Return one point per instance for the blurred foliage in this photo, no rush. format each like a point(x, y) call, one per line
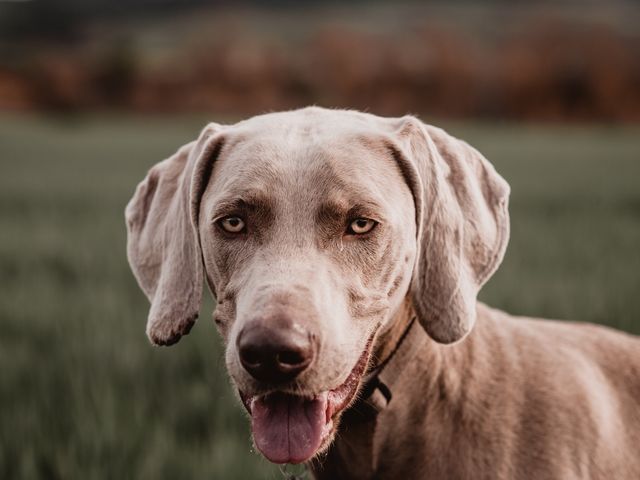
point(83, 394)
point(558, 61)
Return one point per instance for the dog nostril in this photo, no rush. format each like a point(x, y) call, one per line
point(290, 358)
point(250, 357)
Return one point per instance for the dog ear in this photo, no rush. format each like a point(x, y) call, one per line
point(163, 245)
point(462, 225)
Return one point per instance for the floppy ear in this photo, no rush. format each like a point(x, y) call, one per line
point(163, 245)
point(462, 226)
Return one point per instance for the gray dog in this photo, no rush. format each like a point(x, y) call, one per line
point(346, 252)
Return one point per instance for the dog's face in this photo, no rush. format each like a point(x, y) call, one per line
point(308, 238)
point(311, 227)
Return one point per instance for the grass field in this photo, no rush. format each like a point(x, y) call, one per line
point(82, 393)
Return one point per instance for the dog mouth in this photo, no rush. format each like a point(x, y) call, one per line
point(289, 428)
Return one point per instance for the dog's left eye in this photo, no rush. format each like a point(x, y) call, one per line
point(232, 224)
point(361, 226)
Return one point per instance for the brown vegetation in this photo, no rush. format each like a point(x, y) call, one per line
point(549, 70)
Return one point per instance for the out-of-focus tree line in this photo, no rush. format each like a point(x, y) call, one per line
point(542, 61)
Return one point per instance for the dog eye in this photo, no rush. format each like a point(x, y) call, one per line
point(231, 224)
point(361, 226)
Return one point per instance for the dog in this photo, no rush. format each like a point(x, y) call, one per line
point(345, 252)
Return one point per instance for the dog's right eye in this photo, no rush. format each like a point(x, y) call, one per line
point(360, 226)
point(231, 224)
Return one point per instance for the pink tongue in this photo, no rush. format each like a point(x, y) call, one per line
point(287, 428)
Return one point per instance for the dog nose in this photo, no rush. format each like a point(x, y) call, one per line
point(275, 354)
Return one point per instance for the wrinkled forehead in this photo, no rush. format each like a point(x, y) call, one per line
point(304, 167)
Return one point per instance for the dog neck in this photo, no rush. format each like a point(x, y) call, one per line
point(354, 453)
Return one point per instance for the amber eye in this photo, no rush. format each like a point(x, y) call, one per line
point(232, 224)
point(361, 226)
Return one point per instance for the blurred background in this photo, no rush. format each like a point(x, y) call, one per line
point(94, 92)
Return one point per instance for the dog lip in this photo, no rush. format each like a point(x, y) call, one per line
point(341, 396)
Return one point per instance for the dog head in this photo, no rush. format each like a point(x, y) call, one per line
point(311, 228)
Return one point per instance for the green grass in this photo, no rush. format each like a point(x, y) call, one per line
point(84, 395)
